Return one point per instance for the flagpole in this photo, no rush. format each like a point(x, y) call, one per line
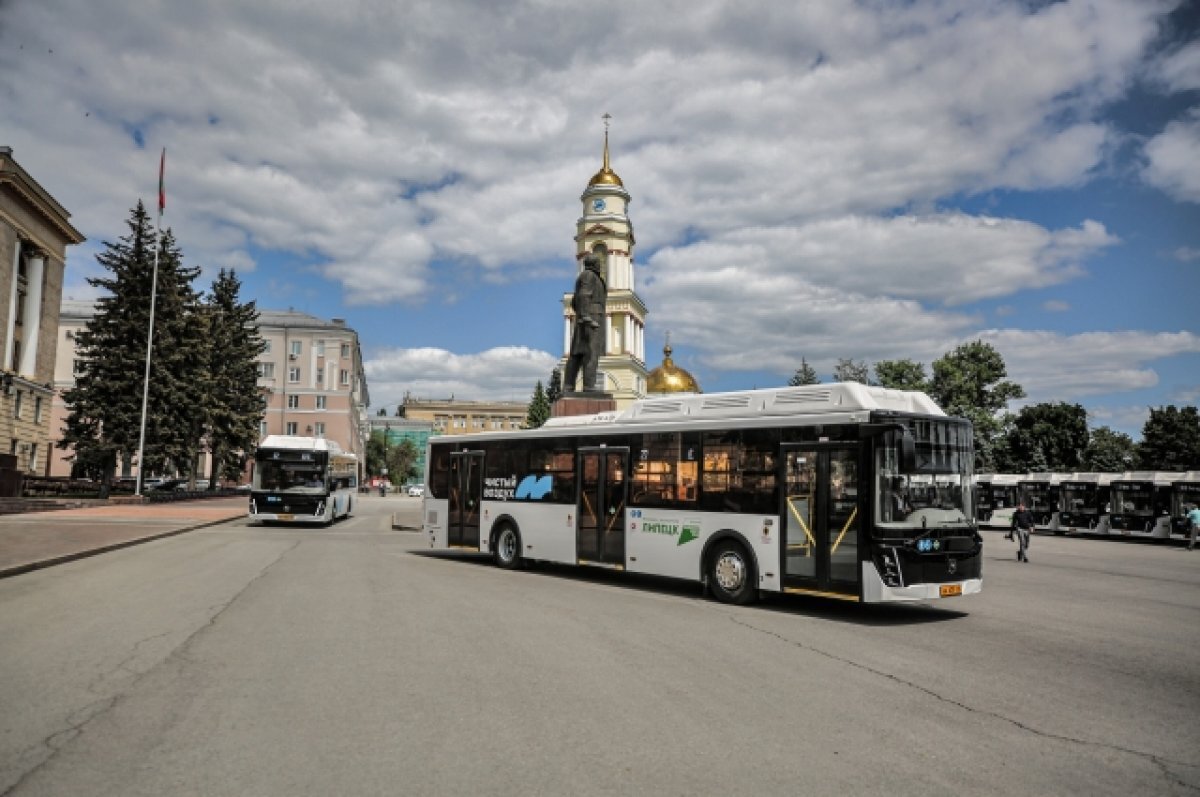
point(162, 164)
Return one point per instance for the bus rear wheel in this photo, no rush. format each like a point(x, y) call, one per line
point(731, 574)
point(507, 551)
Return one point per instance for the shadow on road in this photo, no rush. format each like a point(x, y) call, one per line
point(866, 614)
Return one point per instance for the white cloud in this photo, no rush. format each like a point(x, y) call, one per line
point(462, 129)
point(1173, 159)
point(1052, 366)
point(502, 373)
point(1056, 306)
point(1179, 70)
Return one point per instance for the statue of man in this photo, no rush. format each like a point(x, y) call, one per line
point(587, 340)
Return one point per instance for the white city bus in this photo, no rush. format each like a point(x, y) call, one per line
point(1185, 492)
point(302, 480)
point(1085, 503)
point(1141, 504)
point(840, 490)
point(996, 497)
point(1041, 493)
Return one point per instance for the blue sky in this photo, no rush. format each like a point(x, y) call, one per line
point(864, 180)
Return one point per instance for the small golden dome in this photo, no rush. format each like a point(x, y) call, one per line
point(606, 176)
point(670, 378)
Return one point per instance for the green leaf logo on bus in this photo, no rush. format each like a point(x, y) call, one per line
point(686, 532)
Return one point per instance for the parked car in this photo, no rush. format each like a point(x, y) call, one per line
point(416, 490)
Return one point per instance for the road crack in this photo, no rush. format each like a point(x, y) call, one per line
point(1163, 764)
point(78, 719)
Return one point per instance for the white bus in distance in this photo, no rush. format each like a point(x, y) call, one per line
point(996, 497)
point(841, 490)
point(1141, 504)
point(1085, 501)
point(1041, 494)
point(302, 480)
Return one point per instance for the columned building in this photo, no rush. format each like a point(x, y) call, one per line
point(34, 234)
point(604, 229)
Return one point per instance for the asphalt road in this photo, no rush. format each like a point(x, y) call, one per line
point(238, 660)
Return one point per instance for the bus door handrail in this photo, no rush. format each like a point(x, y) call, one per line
point(803, 526)
point(845, 528)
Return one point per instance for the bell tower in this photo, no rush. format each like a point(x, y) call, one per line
point(605, 229)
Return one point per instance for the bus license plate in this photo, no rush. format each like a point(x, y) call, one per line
point(290, 517)
point(950, 590)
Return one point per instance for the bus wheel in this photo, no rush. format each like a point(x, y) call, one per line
point(731, 574)
point(507, 550)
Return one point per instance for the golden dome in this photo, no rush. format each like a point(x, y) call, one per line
point(606, 176)
point(670, 378)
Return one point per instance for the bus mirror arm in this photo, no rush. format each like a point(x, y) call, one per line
point(908, 446)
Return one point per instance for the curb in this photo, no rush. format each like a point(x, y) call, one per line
point(17, 570)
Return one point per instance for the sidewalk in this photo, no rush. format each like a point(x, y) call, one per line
point(41, 539)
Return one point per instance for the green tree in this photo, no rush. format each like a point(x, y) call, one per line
point(398, 458)
point(852, 371)
point(236, 404)
point(901, 375)
point(1108, 451)
point(1170, 440)
point(969, 382)
point(554, 391)
point(539, 408)
point(1047, 437)
point(180, 375)
point(104, 408)
point(805, 375)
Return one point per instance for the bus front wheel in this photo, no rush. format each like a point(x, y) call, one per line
point(731, 574)
point(507, 550)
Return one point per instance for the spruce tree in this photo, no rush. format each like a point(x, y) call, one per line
point(554, 391)
point(805, 375)
point(179, 367)
point(103, 423)
point(235, 404)
point(539, 408)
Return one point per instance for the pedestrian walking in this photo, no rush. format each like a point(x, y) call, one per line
point(1193, 517)
point(1022, 524)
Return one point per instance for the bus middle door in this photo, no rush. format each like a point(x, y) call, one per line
point(466, 490)
point(600, 528)
point(820, 519)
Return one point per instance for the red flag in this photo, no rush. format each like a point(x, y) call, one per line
point(162, 191)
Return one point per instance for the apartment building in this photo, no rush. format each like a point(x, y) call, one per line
point(35, 232)
point(313, 374)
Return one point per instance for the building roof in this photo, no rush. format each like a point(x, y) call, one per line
point(295, 318)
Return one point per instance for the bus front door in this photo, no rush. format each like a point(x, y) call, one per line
point(820, 519)
point(600, 529)
point(466, 490)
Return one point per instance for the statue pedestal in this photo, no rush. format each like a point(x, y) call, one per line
point(583, 403)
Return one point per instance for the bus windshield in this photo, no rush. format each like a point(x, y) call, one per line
point(290, 477)
point(937, 492)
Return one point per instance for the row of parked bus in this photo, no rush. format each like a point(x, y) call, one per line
point(1152, 504)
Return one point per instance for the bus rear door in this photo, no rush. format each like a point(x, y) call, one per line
point(466, 490)
point(600, 529)
point(820, 519)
